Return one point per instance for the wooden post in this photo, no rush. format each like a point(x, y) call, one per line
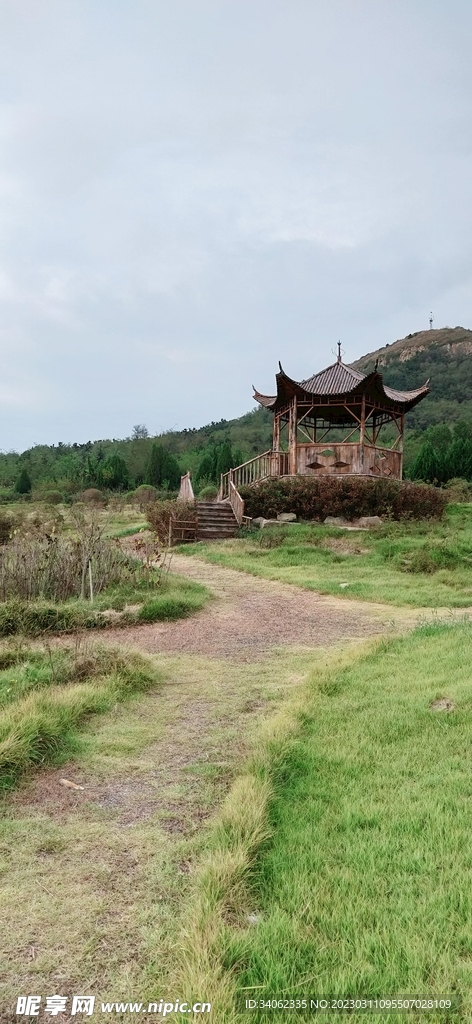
point(90, 580)
point(402, 424)
point(292, 437)
point(362, 435)
point(276, 434)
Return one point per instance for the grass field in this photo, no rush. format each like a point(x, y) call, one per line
point(363, 887)
point(293, 826)
point(425, 564)
point(46, 696)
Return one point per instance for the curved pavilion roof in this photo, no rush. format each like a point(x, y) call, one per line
point(343, 384)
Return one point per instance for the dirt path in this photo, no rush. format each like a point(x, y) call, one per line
point(100, 872)
point(252, 615)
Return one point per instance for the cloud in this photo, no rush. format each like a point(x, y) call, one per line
point(190, 191)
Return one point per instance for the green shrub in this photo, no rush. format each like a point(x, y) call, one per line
point(53, 497)
point(458, 490)
point(7, 495)
point(144, 495)
point(350, 497)
point(208, 493)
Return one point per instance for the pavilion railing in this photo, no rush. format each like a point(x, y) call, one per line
point(271, 463)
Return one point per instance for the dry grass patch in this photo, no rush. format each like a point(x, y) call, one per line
point(103, 874)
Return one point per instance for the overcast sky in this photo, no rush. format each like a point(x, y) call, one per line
point(192, 190)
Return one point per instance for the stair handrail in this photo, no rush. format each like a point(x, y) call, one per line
point(236, 502)
point(270, 463)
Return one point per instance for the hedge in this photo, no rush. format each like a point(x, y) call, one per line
point(315, 498)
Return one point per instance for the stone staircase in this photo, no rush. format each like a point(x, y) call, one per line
point(215, 520)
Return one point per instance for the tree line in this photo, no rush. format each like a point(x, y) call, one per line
point(445, 454)
point(70, 469)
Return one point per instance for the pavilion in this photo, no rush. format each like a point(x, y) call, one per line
point(339, 422)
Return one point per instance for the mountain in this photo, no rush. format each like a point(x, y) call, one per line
point(445, 357)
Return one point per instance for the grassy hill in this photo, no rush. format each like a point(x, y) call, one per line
point(444, 356)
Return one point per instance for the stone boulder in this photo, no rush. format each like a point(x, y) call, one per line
point(336, 521)
point(260, 522)
point(286, 517)
point(369, 521)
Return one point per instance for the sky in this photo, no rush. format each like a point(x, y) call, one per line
point(191, 190)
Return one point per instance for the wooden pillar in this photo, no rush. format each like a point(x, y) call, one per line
point(292, 437)
point(362, 435)
point(276, 434)
point(402, 424)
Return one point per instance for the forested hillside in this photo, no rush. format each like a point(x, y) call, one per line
point(122, 465)
point(443, 420)
point(443, 356)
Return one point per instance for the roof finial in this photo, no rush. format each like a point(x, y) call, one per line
point(339, 351)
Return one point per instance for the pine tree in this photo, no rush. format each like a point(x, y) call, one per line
point(224, 460)
point(163, 469)
point(115, 473)
point(23, 484)
point(427, 465)
point(155, 466)
point(458, 459)
point(171, 471)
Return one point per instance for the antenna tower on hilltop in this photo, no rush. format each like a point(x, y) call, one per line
point(431, 318)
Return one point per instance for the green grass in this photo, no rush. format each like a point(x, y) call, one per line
point(127, 531)
point(364, 888)
point(46, 696)
point(426, 564)
point(171, 597)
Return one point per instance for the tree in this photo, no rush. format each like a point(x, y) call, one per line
point(140, 432)
point(458, 460)
point(224, 461)
point(115, 474)
point(155, 467)
point(163, 469)
point(217, 459)
point(206, 471)
point(427, 464)
point(463, 430)
point(23, 484)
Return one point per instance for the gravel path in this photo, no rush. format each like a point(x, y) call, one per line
point(249, 616)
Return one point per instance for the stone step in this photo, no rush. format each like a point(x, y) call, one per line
point(216, 519)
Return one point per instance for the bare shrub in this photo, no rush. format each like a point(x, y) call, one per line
point(40, 562)
point(159, 514)
point(52, 497)
point(92, 496)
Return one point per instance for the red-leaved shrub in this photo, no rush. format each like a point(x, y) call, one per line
point(351, 497)
point(158, 515)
